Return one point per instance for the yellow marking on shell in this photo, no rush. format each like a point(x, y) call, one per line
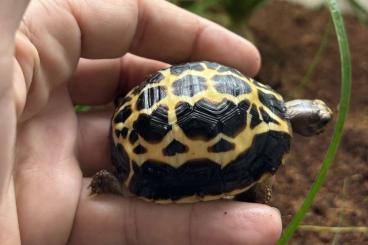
point(119, 126)
point(130, 175)
point(264, 88)
point(198, 148)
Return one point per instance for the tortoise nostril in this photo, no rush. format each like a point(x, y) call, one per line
point(324, 121)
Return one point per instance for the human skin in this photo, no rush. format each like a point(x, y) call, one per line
point(67, 52)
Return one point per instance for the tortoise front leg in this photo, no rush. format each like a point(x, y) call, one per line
point(105, 182)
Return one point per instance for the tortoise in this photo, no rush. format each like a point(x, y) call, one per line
point(203, 131)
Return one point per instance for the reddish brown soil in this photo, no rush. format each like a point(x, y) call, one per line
point(288, 37)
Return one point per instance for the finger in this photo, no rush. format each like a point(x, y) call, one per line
point(186, 36)
point(93, 141)
point(10, 15)
point(98, 81)
point(9, 227)
point(138, 26)
point(130, 221)
point(48, 178)
point(109, 29)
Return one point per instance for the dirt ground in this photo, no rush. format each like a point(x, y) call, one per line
point(288, 37)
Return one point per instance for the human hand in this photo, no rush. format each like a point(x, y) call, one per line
point(67, 52)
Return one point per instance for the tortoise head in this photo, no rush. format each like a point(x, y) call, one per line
point(308, 117)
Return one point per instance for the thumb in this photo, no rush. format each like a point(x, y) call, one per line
point(11, 12)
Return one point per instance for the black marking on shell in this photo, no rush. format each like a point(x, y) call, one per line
point(234, 119)
point(196, 66)
point(271, 102)
point(133, 136)
point(261, 85)
point(120, 160)
point(206, 119)
point(255, 119)
point(229, 69)
point(123, 115)
point(139, 149)
point(136, 90)
point(196, 123)
point(160, 180)
point(230, 84)
point(211, 65)
point(154, 127)
point(223, 69)
point(189, 85)
point(244, 105)
point(175, 147)
point(123, 132)
point(221, 146)
point(150, 97)
point(179, 69)
point(155, 78)
point(121, 100)
point(267, 118)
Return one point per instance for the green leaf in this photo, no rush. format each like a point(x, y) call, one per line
point(360, 12)
point(81, 108)
point(338, 131)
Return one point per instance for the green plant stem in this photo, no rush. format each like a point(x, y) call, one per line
point(360, 11)
point(81, 108)
point(338, 131)
point(317, 57)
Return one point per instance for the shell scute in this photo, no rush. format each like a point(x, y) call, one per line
point(198, 131)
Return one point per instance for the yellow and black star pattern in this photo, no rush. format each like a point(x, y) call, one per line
point(198, 131)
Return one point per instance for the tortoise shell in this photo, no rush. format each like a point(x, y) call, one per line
point(198, 131)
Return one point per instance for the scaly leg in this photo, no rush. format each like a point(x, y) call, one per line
point(260, 193)
point(105, 182)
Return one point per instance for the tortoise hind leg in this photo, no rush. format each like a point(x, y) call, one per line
point(259, 193)
point(105, 182)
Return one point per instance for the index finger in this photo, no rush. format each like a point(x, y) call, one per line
point(159, 30)
point(64, 31)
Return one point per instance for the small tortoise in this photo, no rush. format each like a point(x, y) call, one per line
point(203, 131)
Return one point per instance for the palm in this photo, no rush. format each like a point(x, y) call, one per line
point(48, 170)
point(55, 147)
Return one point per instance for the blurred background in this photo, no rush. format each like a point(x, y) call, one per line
point(300, 59)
